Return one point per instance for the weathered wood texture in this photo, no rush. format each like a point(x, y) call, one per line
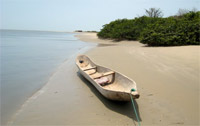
point(118, 88)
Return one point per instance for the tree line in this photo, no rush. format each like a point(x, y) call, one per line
point(154, 30)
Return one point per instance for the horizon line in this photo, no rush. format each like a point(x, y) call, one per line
point(35, 30)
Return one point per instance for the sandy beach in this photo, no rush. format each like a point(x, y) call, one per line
point(167, 79)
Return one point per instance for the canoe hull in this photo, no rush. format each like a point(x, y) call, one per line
point(113, 93)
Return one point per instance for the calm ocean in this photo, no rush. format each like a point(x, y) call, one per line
point(28, 58)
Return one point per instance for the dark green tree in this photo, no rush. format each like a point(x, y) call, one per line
point(154, 12)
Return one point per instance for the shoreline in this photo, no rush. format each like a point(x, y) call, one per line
point(69, 99)
point(28, 69)
point(44, 87)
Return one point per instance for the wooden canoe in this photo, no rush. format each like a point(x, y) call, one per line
point(116, 86)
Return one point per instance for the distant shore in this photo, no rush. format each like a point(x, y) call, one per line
point(167, 79)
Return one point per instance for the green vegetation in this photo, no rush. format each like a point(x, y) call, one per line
point(155, 30)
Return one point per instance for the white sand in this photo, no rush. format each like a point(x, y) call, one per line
point(167, 78)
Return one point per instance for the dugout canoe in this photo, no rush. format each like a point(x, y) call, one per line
point(111, 84)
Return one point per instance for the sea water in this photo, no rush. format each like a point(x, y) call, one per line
point(28, 58)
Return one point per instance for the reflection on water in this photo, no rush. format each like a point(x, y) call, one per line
point(28, 58)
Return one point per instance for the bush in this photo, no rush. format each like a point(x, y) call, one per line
point(125, 29)
point(171, 31)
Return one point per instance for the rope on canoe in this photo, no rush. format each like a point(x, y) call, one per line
point(137, 117)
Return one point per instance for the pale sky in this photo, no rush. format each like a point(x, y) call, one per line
point(70, 15)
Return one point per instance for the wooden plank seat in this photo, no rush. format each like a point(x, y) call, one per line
point(99, 75)
point(89, 68)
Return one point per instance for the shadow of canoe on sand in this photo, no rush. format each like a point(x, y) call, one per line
point(124, 108)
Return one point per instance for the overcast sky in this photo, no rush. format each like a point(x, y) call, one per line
point(70, 15)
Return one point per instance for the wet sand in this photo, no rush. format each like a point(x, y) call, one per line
point(69, 99)
point(167, 78)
